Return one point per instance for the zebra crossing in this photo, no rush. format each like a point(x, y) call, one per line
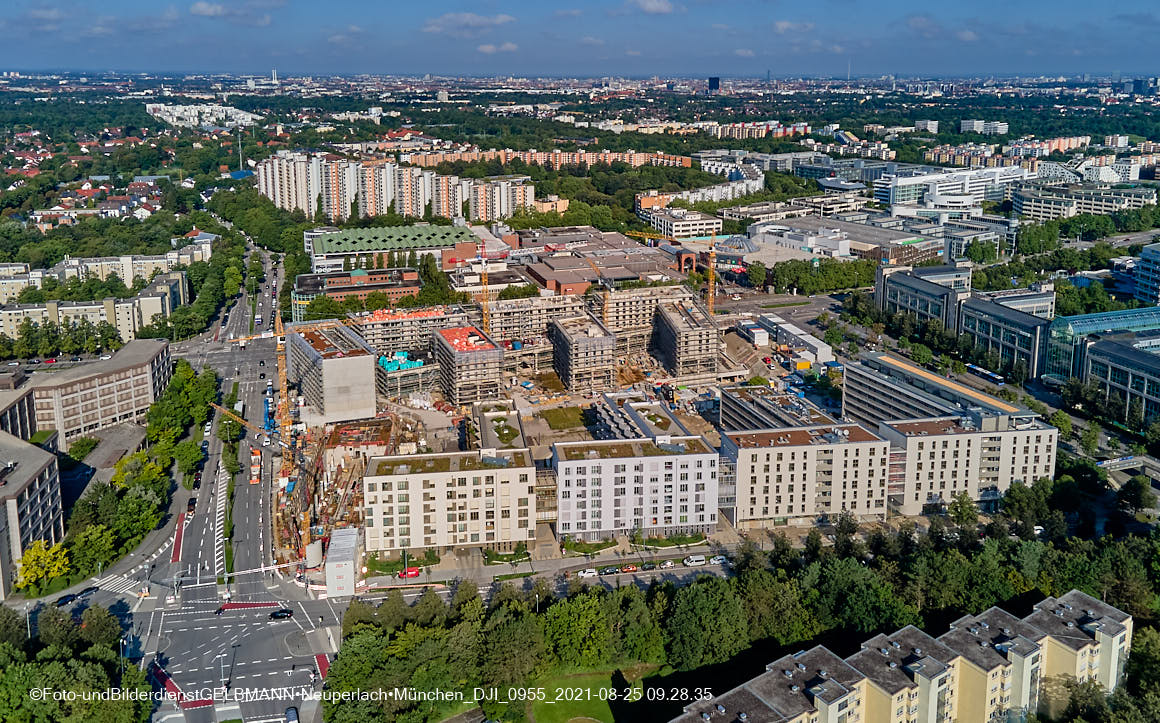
point(118, 584)
point(219, 549)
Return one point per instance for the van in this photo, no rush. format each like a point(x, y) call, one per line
point(694, 561)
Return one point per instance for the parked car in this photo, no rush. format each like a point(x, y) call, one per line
point(718, 560)
point(668, 565)
point(408, 573)
point(50, 361)
point(282, 614)
point(75, 358)
point(629, 568)
point(106, 357)
point(191, 505)
point(37, 361)
point(88, 591)
point(589, 572)
point(66, 600)
point(262, 375)
point(261, 362)
point(13, 364)
point(648, 566)
point(204, 445)
point(609, 570)
point(693, 561)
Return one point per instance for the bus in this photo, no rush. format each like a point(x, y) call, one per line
point(992, 377)
point(240, 409)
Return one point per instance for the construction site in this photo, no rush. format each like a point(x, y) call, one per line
point(584, 354)
point(688, 339)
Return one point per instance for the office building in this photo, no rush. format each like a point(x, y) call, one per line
point(1016, 336)
point(584, 354)
point(30, 494)
point(88, 397)
point(656, 487)
point(978, 184)
point(993, 666)
point(987, 128)
point(759, 407)
point(682, 223)
point(1067, 336)
point(334, 372)
point(929, 292)
point(877, 243)
point(394, 284)
point(483, 498)
point(1148, 275)
point(1125, 367)
point(687, 339)
point(470, 364)
point(1043, 202)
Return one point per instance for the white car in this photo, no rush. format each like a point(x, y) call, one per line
point(718, 560)
point(265, 441)
point(590, 572)
point(13, 364)
point(106, 357)
point(667, 565)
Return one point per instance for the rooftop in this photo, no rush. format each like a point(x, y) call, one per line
point(22, 462)
point(686, 316)
point(134, 354)
point(414, 465)
point(801, 436)
point(986, 639)
point(629, 448)
point(951, 387)
point(334, 343)
point(854, 231)
point(466, 339)
point(392, 238)
point(893, 661)
point(1074, 618)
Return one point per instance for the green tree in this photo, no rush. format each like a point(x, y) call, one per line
point(99, 627)
point(707, 624)
point(93, 547)
point(188, 455)
point(963, 511)
point(41, 562)
point(1136, 494)
point(1061, 420)
point(756, 274)
point(1090, 440)
point(775, 608)
point(921, 354)
point(55, 626)
point(12, 628)
point(578, 631)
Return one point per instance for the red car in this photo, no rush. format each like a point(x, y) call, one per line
point(409, 572)
point(50, 361)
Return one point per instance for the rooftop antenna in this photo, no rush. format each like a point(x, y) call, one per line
point(849, 64)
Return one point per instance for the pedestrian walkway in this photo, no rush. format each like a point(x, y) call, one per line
point(118, 584)
point(221, 492)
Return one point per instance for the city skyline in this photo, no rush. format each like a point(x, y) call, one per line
point(742, 38)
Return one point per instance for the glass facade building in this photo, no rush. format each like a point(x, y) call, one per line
point(1067, 333)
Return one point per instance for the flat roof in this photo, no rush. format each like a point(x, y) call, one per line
point(855, 231)
point(413, 465)
point(466, 339)
point(333, 343)
point(627, 448)
point(802, 436)
point(134, 354)
point(951, 386)
point(28, 460)
point(1002, 311)
point(392, 238)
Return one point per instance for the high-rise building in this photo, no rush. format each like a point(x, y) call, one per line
point(714, 84)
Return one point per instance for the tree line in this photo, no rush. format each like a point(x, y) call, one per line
point(49, 339)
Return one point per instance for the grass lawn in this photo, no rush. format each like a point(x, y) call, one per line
point(550, 382)
point(674, 541)
point(564, 417)
point(784, 304)
point(593, 709)
point(587, 548)
point(513, 576)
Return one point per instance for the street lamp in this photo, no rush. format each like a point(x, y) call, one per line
point(121, 647)
point(222, 668)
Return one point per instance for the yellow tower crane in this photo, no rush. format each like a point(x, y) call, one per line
point(712, 273)
point(607, 291)
point(486, 303)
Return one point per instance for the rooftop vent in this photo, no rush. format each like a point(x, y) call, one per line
point(788, 673)
point(884, 651)
point(893, 664)
point(822, 673)
point(801, 666)
point(705, 716)
point(918, 651)
point(720, 709)
point(795, 688)
point(897, 645)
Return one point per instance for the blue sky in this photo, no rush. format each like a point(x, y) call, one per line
point(596, 37)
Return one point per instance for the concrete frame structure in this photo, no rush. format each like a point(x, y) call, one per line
point(687, 338)
point(470, 364)
point(334, 371)
point(584, 354)
point(388, 331)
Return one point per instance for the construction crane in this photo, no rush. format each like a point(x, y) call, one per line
point(712, 272)
point(486, 304)
point(607, 291)
point(649, 236)
point(252, 427)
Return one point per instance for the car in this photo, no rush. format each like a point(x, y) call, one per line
point(262, 375)
point(50, 361)
point(197, 483)
point(629, 568)
point(282, 614)
point(35, 361)
point(106, 357)
point(648, 566)
point(407, 573)
point(587, 572)
point(767, 360)
point(75, 358)
point(66, 600)
point(204, 445)
point(291, 715)
point(261, 362)
point(197, 475)
point(718, 560)
point(609, 570)
point(13, 364)
point(736, 297)
point(88, 591)
point(668, 565)
point(191, 505)
point(693, 561)
point(265, 441)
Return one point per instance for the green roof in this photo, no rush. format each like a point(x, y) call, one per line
point(392, 238)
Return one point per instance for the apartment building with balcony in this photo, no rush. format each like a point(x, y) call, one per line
point(483, 498)
point(30, 504)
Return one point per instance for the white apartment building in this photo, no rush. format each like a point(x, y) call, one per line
point(484, 498)
point(929, 126)
point(661, 486)
point(987, 128)
point(492, 199)
point(934, 459)
point(205, 114)
point(977, 184)
point(798, 474)
point(293, 181)
point(682, 223)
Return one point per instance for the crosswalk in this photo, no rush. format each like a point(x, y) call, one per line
point(222, 493)
point(118, 584)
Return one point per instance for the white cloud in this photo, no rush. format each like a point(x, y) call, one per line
point(591, 40)
point(45, 14)
point(465, 25)
point(569, 12)
point(924, 25)
point(967, 36)
point(207, 10)
point(743, 53)
point(491, 48)
point(654, 7)
point(781, 27)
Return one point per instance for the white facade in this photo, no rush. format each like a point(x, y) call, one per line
point(682, 223)
point(660, 487)
point(469, 499)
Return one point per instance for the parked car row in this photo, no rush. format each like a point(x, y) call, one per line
point(690, 561)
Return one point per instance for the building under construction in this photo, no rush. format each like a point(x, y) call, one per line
point(393, 330)
point(631, 313)
point(333, 370)
point(527, 319)
point(687, 339)
point(470, 364)
point(584, 354)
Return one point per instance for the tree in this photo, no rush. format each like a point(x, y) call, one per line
point(12, 628)
point(93, 547)
point(41, 562)
point(99, 627)
point(962, 511)
point(921, 354)
point(578, 632)
point(1090, 441)
point(707, 624)
point(1136, 494)
point(1061, 420)
point(756, 274)
point(55, 626)
point(188, 456)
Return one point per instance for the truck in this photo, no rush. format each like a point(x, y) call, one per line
point(255, 466)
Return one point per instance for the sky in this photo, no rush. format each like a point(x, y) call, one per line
point(732, 38)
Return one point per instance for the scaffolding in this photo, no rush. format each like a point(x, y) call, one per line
point(584, 354)
point(687, 338)
point(470, 364)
